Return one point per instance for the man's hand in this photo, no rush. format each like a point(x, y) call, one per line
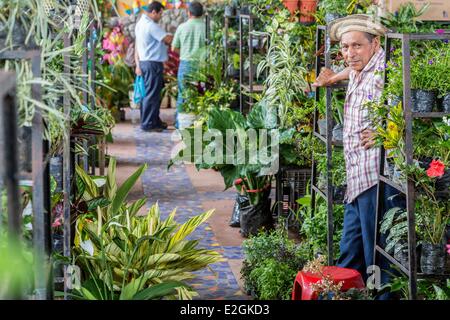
point(138, 71)
point(168, 39)
point(367, 139)
point(325, 78)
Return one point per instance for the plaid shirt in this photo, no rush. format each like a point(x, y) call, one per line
point(361, 165)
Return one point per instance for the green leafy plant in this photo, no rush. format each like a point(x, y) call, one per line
point(336, 6)
point(128, 253)
point(276, 259)
point(395, 226)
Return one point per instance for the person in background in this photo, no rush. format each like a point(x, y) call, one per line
point(150, 54)
point(189, 39)
point(359, 37)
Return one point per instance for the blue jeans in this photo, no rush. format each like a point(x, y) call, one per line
point(184, 68)
point(152, 72)
point(357, 243)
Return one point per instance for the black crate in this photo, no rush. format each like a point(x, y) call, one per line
point(292, 184)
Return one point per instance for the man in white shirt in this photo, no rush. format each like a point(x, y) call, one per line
point(151, 52)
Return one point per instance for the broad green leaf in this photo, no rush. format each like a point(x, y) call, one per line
point(124, 189)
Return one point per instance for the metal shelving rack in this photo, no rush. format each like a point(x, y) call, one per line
point(321, 33)
point(409, 189)
point(227, 45)
point(250, 88)
point(9, 151)
point(38, 179)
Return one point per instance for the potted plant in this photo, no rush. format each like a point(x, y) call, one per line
point(432, 220)
point(334, 9)
point(428, 76)
point(307, 10)
point(251, 175)
point(291, 5)
point(395, 226)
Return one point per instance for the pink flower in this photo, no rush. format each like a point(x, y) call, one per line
point(57, 223)
point(436, 169)
point(440, 31)
point(448, 248)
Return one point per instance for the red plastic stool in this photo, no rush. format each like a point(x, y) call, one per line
point(302, 285)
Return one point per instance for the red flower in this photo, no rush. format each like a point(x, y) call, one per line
point(238, 181)
point(436, 169)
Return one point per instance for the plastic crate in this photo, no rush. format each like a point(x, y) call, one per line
point(291, 185)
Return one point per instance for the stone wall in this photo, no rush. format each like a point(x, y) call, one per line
point(170, 21)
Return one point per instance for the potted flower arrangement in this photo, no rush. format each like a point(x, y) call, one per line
point(432, 220)
point(334, 9)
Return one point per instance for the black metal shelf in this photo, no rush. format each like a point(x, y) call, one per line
point(409, 188)
point(323, 38)
point(247, 89)
point(324, 140)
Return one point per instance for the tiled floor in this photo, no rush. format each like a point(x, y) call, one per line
point(183, 188)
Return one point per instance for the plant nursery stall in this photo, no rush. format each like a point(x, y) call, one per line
point(67, 227)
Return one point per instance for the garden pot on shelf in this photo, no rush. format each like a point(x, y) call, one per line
point(339, 193)
point(432, 259)
point(322, 124)
point(338, 133)
point(423, 100)
point(332, 16)
point(245, 10)
point(402, 255)
point(230, 11)
point(255, 217)
point(56, 171)
point(446, 103)
point(186, 120)
point(443, 186)
point(291, 5)
point(307, 9)
point(241, 202)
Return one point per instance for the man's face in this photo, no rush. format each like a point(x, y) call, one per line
point(357, 49)
point(156, 16)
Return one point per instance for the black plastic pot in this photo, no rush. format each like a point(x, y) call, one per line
point(402, 256)
point(230, 11)
point(432, 259)
point(332, 16)
point(256, 217)
point(446, 103)
point(58, 243)
point(443, 186)
point(242, 201)
point(339, 193)
point(338, 133)
point(423, 100)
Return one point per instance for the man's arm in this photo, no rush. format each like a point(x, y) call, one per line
point(327, 77)
point(136, 59)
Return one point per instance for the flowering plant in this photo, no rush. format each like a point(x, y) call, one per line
point(115, 45)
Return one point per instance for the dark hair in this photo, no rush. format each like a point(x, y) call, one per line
point(196, 9)
point(155, 6)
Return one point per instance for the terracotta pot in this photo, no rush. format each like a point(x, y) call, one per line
point(307, 8)
point(292, 6)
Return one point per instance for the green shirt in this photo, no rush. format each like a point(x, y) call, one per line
point(189, 38)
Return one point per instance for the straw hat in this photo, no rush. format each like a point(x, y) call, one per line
point(355, 22)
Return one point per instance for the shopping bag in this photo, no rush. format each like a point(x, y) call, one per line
point(139, 90)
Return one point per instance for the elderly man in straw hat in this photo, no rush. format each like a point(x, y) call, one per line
point(359, 37)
